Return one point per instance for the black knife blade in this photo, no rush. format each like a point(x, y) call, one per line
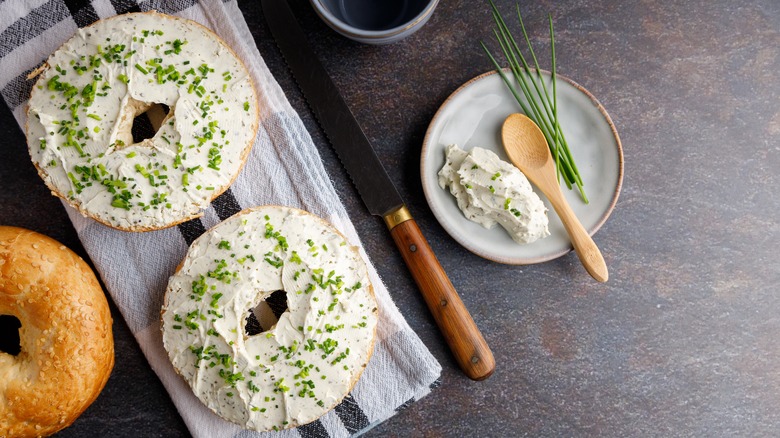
point(378, 192)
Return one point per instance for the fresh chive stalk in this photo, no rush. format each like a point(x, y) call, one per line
point(538, 103)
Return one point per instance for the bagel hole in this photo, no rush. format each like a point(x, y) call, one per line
point(9, 335)
point(146, 124)
point(266, 314)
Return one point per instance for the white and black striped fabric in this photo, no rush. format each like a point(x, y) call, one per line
point(283, 168)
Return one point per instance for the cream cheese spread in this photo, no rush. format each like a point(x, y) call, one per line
point(82, 107)
point(309, 360)
point(490, 191)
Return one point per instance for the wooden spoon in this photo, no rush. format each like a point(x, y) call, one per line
point(527, 149)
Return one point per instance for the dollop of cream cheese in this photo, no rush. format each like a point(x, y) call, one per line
point(307, 362)
point(82, 108)
point(490, 191)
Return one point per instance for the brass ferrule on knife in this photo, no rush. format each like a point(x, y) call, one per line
point(397, 216)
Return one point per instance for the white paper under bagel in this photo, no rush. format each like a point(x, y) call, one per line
point(301, 367)
point(82, 108)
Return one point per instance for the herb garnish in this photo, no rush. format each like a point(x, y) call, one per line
point(542, 108)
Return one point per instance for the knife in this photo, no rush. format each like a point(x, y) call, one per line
point(378, 192)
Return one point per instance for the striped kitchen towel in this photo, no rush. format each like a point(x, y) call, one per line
point(283, 168)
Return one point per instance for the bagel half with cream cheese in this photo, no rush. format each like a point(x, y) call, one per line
point(88, 94)
point(66, 345)
point(299, 368)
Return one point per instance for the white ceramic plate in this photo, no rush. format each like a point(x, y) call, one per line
point(472, 116)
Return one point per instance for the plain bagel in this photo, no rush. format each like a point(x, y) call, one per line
point(88, 94)
point(302, 366)
point(67, 348)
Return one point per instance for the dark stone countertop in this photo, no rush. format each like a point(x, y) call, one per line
point(682, 340)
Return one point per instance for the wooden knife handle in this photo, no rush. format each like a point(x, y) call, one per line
point(461, 333)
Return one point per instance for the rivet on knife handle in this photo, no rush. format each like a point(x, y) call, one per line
point(461, 333)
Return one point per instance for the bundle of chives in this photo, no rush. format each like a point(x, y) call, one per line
point(538, 105)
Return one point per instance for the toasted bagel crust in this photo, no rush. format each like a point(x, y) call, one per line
point(67, 347)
